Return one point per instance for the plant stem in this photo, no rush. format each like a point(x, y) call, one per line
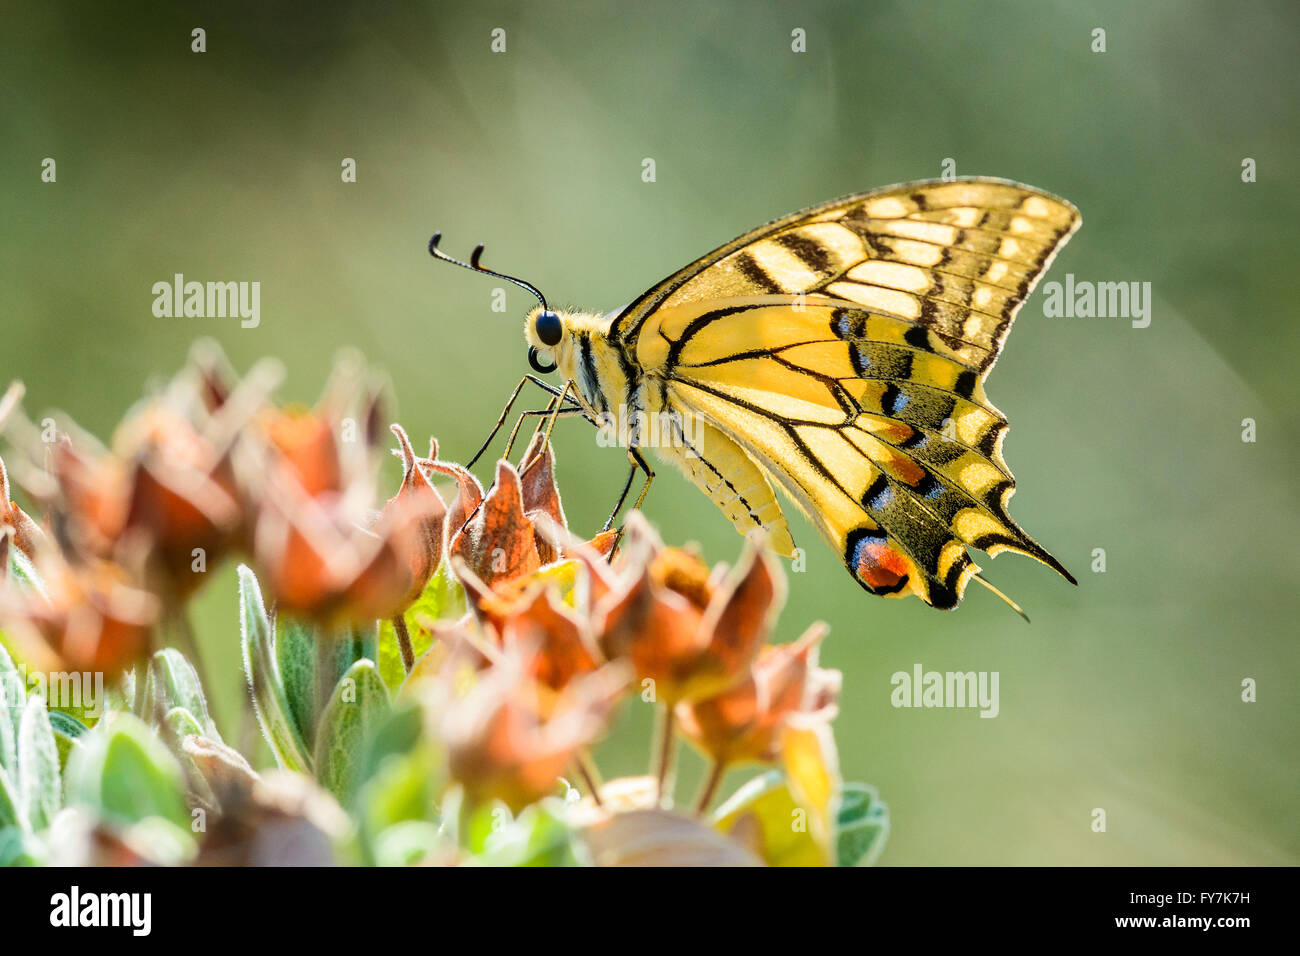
point(404, 642)
point(716, 773)
point(664, 758)
point(590, 775)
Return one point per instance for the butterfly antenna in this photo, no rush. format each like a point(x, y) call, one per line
point(476, 266)
point(1013, 605)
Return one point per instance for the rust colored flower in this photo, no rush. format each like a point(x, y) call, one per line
point(322, 561)
point(504, 740)
point(89, 618)
point(306, 448)
point(165, 486)
point(327, 449)
point(559, 640)
point(180, 492)
point(744, 723)
point(692, 632)
point(419, 500)
point(498, 542)
point(514, 529)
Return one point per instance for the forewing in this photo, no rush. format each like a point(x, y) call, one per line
point(956, 258)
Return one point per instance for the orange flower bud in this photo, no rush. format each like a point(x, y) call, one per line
point(693, 637)
point(418, 503)
point(502, 742)
point(321, 563)
point(90, 618)
point(307, 448)
point(745, 722)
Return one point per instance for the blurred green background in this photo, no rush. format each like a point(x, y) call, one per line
point(1124, 694)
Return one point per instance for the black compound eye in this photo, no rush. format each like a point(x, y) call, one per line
point(549, 327)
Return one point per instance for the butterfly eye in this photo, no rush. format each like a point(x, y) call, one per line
point(549, 328)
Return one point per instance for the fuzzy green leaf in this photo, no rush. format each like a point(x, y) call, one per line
point(176, 684)
point(68, 731)
point(355, 711)
point(10, 815)
point(862, 825)
point(406, 843)
point(260, 667)
point(40, 793)
point(295, 655)
point(13, 693)
point(350, 645)
point(539, 836)
point(18, 848)
point(23, 571)
point(125, 775)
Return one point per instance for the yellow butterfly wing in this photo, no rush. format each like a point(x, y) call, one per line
point(844, 349)
point(727, 473)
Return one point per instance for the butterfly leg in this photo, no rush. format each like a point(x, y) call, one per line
point(505, 412)
point(551, 413)
point(554, 406)
point(618, 505)
point(638, 464)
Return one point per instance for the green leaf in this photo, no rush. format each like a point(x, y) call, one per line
point(176, 684)
point(13, 693)
point(400, 791)
point(477, 823)
point(539, 836)
point(10, 815)
point(355, 711)
point(125, 775)
point(18, 848)
point(68, 731)
point(862, 825)
point(39, 789)
point(403, 777)
point(295, 655)
point(182, 723)
point(443, 597)
point(352, 645)
point(401, 733)
point(269, 699)
point(67, 725)
point(406, 843)
point(22, 570)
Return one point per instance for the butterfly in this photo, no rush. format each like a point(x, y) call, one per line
point(838, 354)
